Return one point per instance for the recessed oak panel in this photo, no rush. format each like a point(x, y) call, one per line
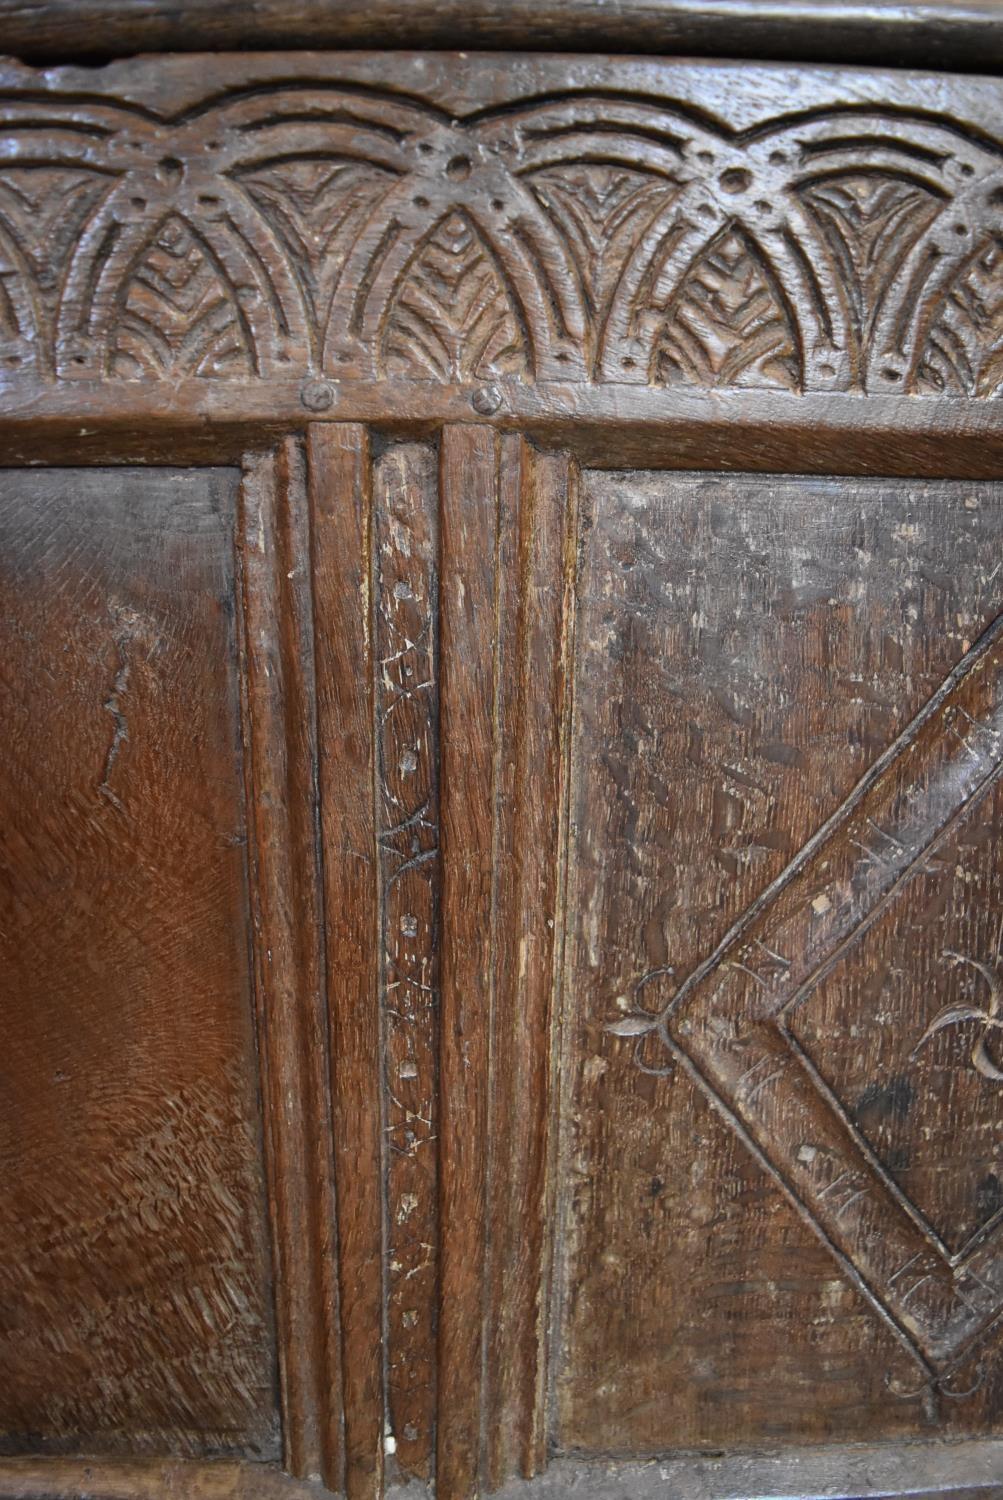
point(134, 1285)
point(748, 650)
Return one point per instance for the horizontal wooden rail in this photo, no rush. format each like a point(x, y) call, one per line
point(960, 34)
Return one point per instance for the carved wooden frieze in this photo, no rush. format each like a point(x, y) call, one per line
point(579, 228)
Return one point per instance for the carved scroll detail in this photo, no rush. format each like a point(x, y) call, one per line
point(870, 222)
point(987, 1016)
point(963, 351)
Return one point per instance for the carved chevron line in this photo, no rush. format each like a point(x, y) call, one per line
point(178, 315)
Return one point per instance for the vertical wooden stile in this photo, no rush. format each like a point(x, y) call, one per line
point(280, 768)
point(340, 504)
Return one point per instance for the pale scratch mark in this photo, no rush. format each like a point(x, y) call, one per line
point(849, 1202)
point(908, 1296)
point(751, 973)
point(777, 957)
point(903, 1269)
point(830, 1187)
point(763, 1083)
point(120, 726)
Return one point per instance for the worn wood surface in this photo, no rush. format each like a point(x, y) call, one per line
point(922, 1470)
point(536, 557)
point(94, 1479)
point(471, 478)
point(941, 33)
point(405, 584)
point(134, 1278)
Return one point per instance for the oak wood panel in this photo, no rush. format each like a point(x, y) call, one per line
point(921, 1469)
point(942, 33)
point(135, 1271)
point(647, 263)
point(470, 476)
point(917, 1094)
point(153, 1479)
point(747, 648)
point(608, 427)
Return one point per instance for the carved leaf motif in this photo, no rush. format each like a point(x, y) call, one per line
point(178, 313)
point(601, 212)
point(317, 210)
point(963, 352)
point(44, 209)
point(451, 317)
point(726, 323)
point(870, 223)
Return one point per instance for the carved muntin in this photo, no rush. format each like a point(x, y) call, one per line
point(622, 858)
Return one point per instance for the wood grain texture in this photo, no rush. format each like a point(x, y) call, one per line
point(341, 512)
point(153, 1479)
point(281, 744)
point(689, 1140)
point(505, 519)
point(473, 220)
point(748, 648)
point(611, 427)
point(135, 1272)
point(942, 33)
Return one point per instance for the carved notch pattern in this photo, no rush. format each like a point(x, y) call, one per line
point(305, 227)
point(738, 1021)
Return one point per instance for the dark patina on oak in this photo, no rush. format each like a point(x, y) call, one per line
point(510, 886)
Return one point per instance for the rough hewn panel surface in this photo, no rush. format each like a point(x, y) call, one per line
point(134, 1283)
point(747, 649)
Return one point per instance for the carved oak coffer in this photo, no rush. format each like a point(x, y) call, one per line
point(501, 891)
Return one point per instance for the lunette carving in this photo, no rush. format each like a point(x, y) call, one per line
point(304, 228)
